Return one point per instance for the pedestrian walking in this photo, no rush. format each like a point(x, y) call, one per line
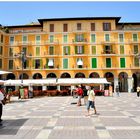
point(91, 100)
point(2, 102)
point(138, 91)
point(79, 92)
point(85, 95)
point(117, 91)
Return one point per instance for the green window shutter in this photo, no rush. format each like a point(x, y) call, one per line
point(65, 63)
point(0, 63)
point(37, 51)
point(64, 50)
point(47, 60)
point(93, 38)
point(51, 50)
point(121, 38)
point(33, 63)
point(10, 64)
point(94, 63)
point(68, 50)
point(1, 50)
point(136, 62)
point(93, 49)
point(135, 37)
point(10, 51)
point(108, 62)
point(76, 47)
point(65, 38)
point(51, 39)
point(122, 62)
point(121, 49)
point(24, 38)
point(41, 63)
point(107, 38)
point(136, 49)
point(37, 39)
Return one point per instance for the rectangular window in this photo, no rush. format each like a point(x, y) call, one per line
point(37, 51)
point(1, 50)
point(79, 38)
point(11, 40)
point(51, 38)
point(93, 49)
point(121, 49)
point(121, 38)
point(92, 26)
point(1, 39)
point(65, 38)
point(94, 63)
point(78, 26)
point(37, 63)
point(79, 49)
point(24, 39)
point(107, 37)
point(93, 38)
point(122, 62)
point(108, 62)
point(38, 39)
point(106, 26)
point(65, 63)
point(10, 64)
point(65, 27)
point(135, 37)
point(66, 50)
point(10, 52)
point(136, 49)
point(136, 62)
point(0, 63)
point(51, 50)
point(108, 49)
point(51, 27)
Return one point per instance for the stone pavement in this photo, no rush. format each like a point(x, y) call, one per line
point(57, 118)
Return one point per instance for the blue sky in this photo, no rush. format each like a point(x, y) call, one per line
point(16, 13)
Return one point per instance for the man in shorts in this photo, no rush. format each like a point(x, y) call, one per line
point(91, 101)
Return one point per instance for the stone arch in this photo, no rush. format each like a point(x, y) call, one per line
point(37, 76)
point(123, 82)
point(51, 75)
point(65, 75)
point(79, 75)
point(25, 76)
point(11, 76)
point(94, 75)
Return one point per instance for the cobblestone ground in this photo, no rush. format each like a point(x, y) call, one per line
point(60, 118)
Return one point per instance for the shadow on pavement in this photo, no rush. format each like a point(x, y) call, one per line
point(11, 127)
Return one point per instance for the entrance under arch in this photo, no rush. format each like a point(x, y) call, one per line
point(80, 75)
point(110, 78)
point(25, 76)
point(65, 75)
point(51, 75)
point(136, 80)
point(37, 76)
point(123, 82)
point(10, 76)
point(94, 75)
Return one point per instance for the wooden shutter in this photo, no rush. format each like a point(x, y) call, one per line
point(108, 62)
point(65, 27)
point(65, 63)
point(122, 62)
point(92, 26)
point(51, 27)
point(94, 63)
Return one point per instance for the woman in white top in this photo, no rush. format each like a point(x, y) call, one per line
point(91, 100)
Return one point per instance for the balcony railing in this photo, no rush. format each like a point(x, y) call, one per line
point(79, 41)
point(108, 52)
point(49, 42)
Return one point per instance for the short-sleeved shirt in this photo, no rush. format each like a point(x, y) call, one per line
point(1, 97)
point(91, 95)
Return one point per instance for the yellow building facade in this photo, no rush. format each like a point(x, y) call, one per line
point(73, 48)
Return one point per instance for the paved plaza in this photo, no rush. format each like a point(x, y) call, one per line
point(59, 118)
